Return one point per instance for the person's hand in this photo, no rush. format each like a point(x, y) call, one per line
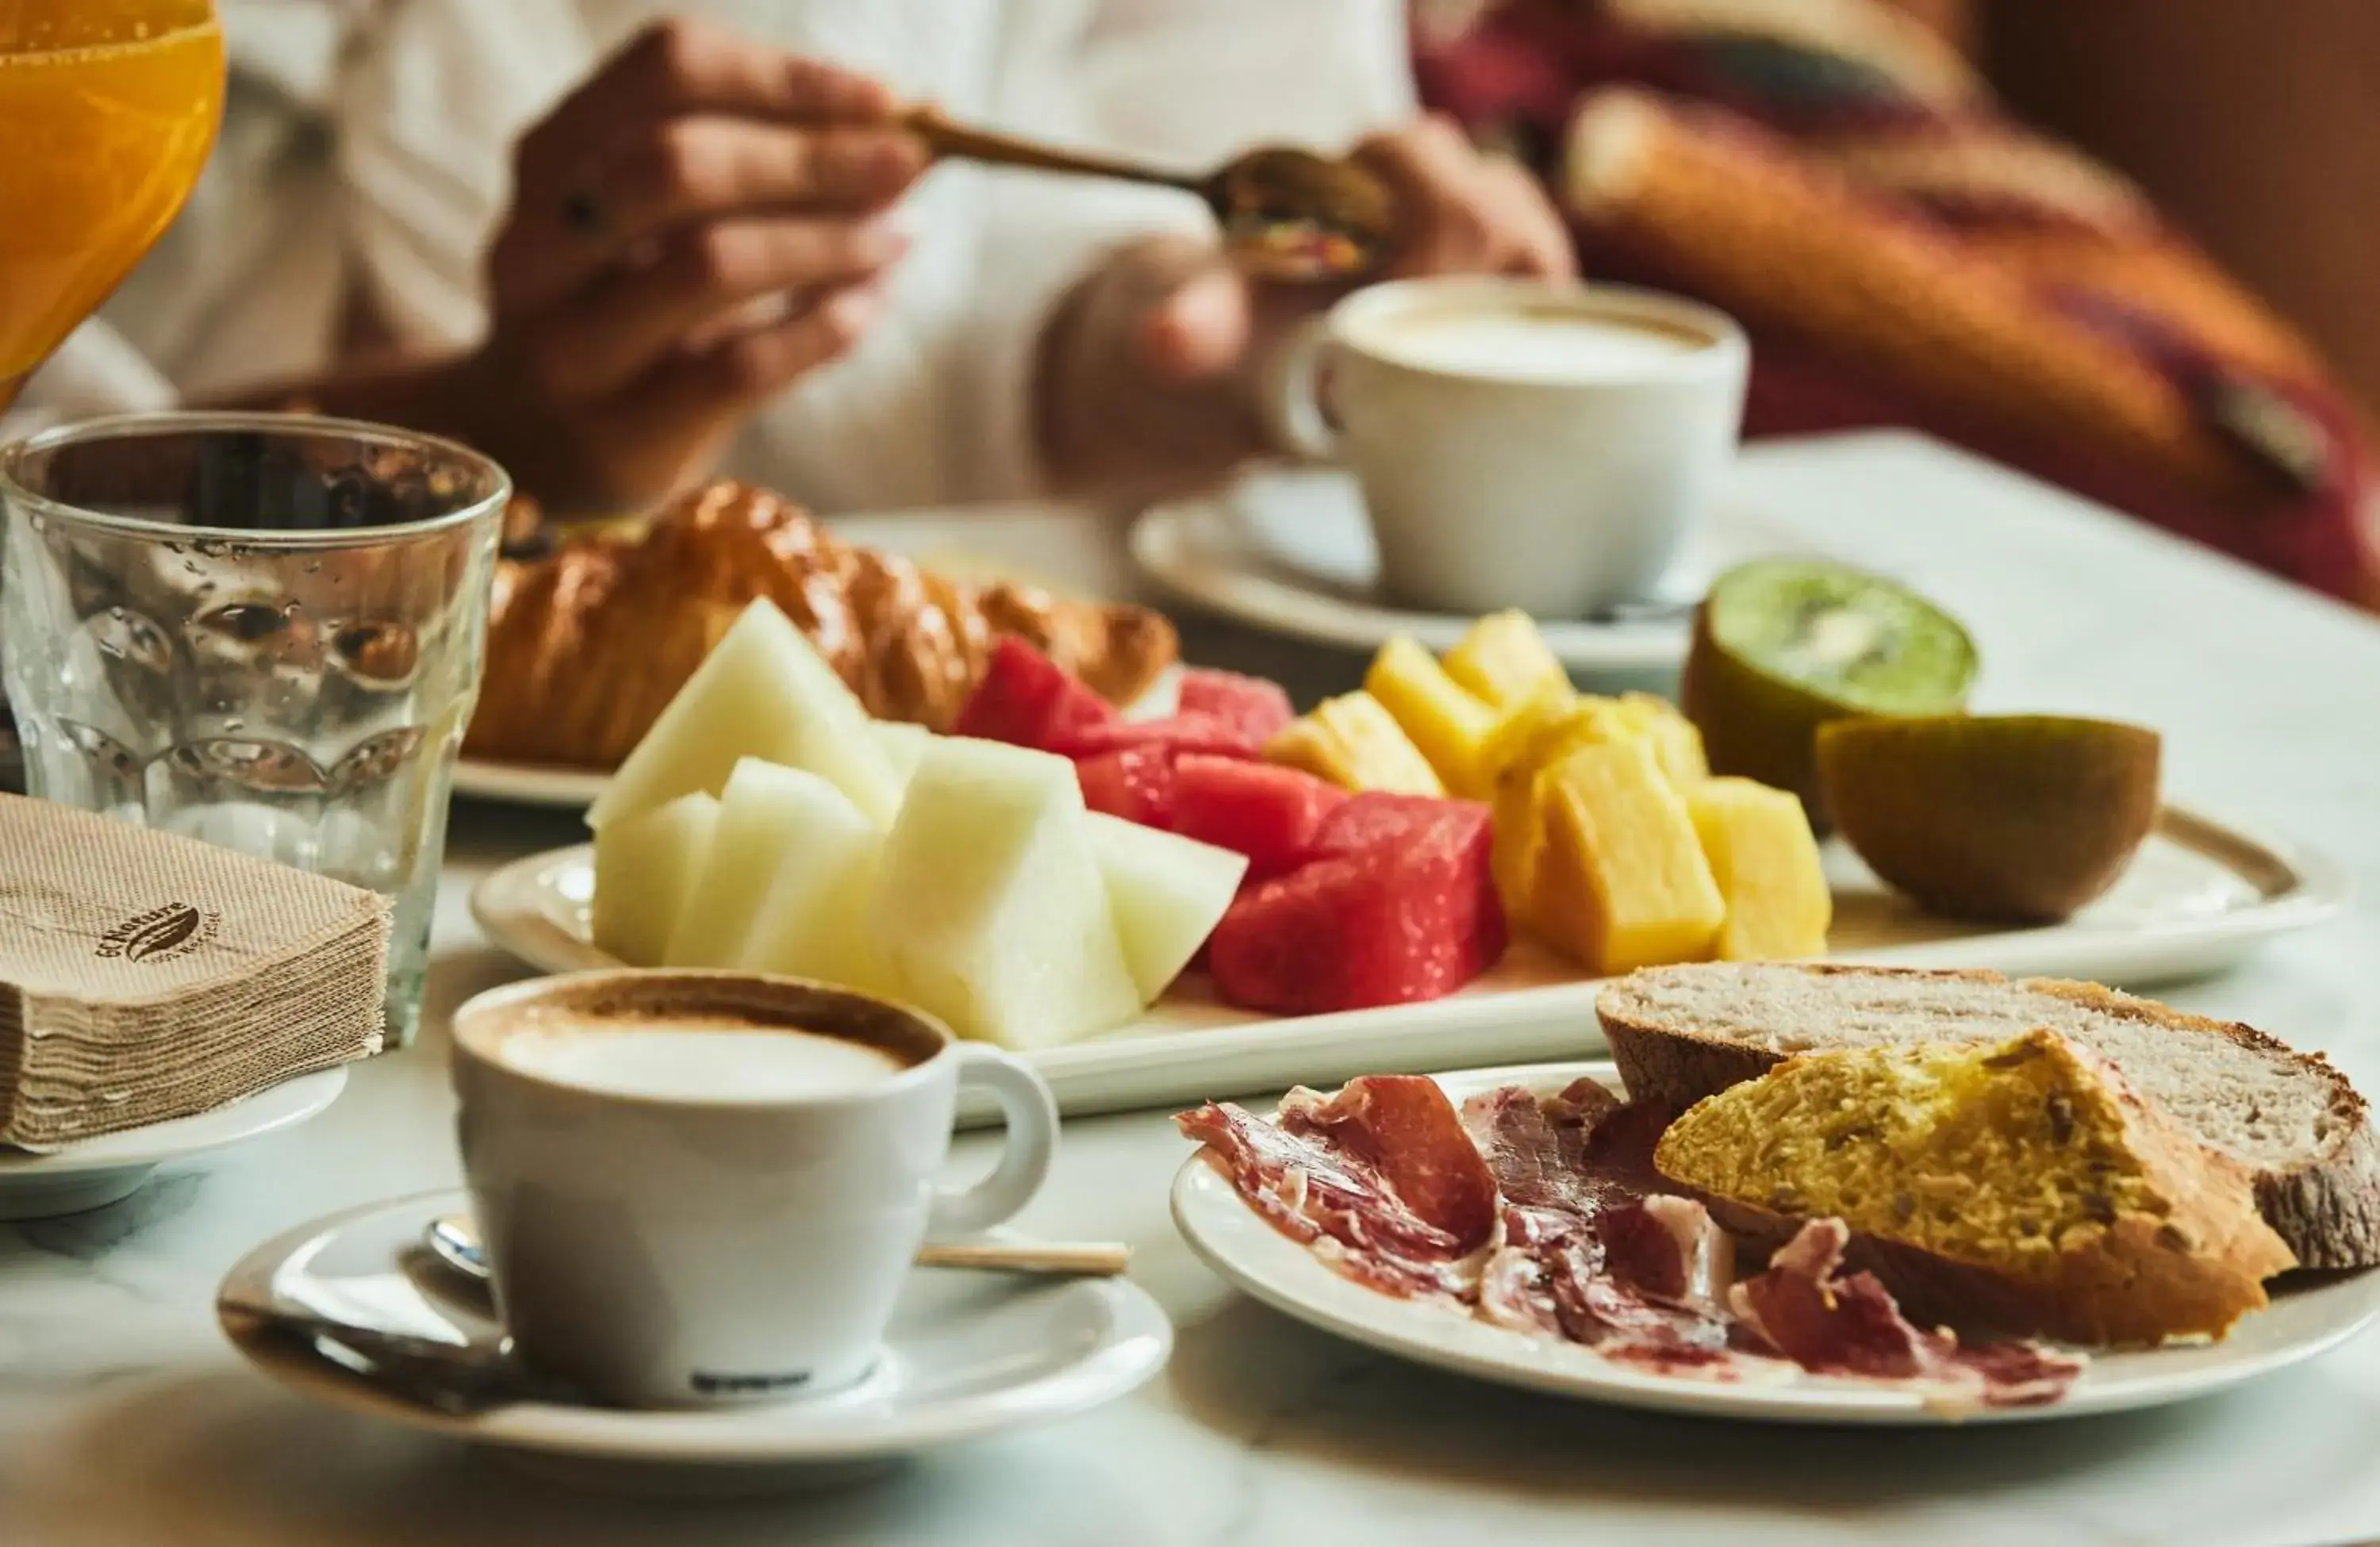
point(701, 223)
point(1461, 212)
point(1154, 366)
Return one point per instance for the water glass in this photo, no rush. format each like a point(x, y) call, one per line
point(261, 630)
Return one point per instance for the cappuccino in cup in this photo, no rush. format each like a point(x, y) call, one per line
point(1520, 443)
point(691, 1058)
point(707, 1188)
point(1532, 343)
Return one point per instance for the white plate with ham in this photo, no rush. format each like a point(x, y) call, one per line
point(1524, 1240)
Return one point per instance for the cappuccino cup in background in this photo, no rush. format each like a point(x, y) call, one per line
point(697, 1189)
point(1520, 443)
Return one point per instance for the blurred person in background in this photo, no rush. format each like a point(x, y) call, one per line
point(1879, 192)
point(623, 251)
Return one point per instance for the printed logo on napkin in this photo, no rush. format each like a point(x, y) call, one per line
point(161, 935)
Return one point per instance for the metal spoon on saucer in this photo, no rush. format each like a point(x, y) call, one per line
point(454, 1240)
point(1286, 213)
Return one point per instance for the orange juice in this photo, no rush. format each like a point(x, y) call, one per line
point(107, 111)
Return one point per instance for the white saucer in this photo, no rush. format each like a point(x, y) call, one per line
point(968, 1355)
point(100, 1171)
point(1291, 553)
point(2305, 1319)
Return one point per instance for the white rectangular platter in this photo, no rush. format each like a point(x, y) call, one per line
point(2199, 896)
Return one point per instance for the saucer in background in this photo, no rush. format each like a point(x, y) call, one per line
point(1290, 552)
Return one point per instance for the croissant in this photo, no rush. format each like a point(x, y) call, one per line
point(587, 643)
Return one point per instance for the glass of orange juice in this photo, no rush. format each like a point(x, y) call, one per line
point(107, 111)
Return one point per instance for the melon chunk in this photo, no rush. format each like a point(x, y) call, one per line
point(903, 745)
point(1766, 861)
point(748, 837)
point(1166, 891)
point(990, 901)
point(645, 870)
point(764, 691)
point(810, 923)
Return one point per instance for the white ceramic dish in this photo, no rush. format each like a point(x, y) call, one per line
point(2303, 1320)
point(100, 1171)
point(968, 1355)
point(1290, 552)
point(2200, 895)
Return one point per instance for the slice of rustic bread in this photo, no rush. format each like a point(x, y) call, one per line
point(1680, 1033)
point(2025, 1188)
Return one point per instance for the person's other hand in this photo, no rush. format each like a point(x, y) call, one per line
point(698, 224)
point(1150, 372)
point(1461, 212)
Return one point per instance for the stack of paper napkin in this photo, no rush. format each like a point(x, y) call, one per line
point(145, 976)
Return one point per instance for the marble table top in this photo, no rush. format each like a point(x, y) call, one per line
point(125, 1420)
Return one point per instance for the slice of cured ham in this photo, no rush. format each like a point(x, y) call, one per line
point(1586, 1252)
point(1403, 1127)
point(1334, 1172)
point(1833, 1323)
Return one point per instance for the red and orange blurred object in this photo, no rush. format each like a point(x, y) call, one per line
point(107, 111)
point(1904, 254)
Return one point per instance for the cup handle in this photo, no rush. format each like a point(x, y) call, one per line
point(1032, 1115)
point(1292, 399)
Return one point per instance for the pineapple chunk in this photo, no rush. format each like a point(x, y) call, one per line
point(1677, 745)
point(1504, 662)
point(1353, 742)
point(1762, 854)
point(1543, 731)
point(1449, 725)
point(1621, 882)
point(1519, 845)
point(645, 870)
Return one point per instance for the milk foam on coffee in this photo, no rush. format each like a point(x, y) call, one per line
point(692, 1058)
point(1538, 343)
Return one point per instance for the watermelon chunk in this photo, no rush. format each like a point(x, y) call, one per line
point(1027, 701)
point(1133, 783)
point(1376, 818)
point(1202, 734)
point(1258, 708)
point(1268, 813)
point(1388, 925)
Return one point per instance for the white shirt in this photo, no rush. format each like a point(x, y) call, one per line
point(366, 149)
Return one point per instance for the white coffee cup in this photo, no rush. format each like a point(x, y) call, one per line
point(670, 1223)
point(1520, 443)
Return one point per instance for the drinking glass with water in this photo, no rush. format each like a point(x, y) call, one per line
point(261, 630)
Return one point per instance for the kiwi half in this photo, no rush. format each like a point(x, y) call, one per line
point(2005, 817)
point(1782, 646)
